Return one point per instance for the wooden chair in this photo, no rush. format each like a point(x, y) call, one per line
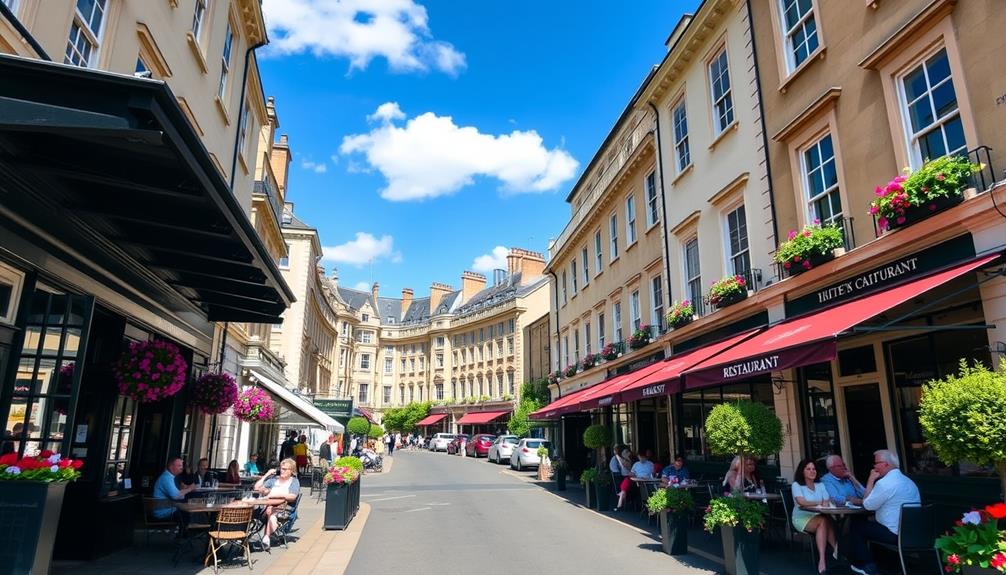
point(232, 529)
point(152, 523)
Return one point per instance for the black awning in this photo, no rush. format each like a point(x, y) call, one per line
point(110, 166)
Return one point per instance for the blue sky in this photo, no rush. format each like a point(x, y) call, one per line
point(425, 135)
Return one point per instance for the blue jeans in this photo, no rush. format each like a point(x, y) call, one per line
point(860, 535)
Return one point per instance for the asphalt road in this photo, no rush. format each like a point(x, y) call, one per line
point(448, 515)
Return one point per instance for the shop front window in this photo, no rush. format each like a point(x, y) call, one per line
point(820, 418)
point(117, 465)
point(696, 406)
point(914, 362)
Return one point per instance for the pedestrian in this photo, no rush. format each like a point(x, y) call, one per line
point(300, 454)
point(352, 444)
point(286, 448)
point(390, 440)
point(325, 452)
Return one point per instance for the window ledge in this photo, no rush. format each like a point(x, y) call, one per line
point(683, 173)
point(223, 110)
point(630, 246)
point(196, 52)
point(728, 130)
point(612, 262)
point(598, 274)
point(244, 164)
point(652, 227)
point(818, 54)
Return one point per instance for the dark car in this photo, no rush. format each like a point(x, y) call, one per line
point(454, 447)
point(478, 445)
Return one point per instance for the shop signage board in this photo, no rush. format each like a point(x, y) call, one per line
point(890, 273)
point(335, 407)
point(761, 364)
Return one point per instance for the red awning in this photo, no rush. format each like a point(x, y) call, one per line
point(367, 414)
point(665, 378)
point(607, 392)
point(431, 419)
point(813, 337)
point(480, 417)
point(553, 409)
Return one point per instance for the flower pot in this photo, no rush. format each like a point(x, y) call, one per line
point(681, 322)
point(731, 299)
point(36, 506)
point(976, 570)
point(918, 213)
point(341, 504)
point(602, 494)
point(560, 480)
point(588, 489)
point(674, 532)
point(797, 268)
point(741, 550)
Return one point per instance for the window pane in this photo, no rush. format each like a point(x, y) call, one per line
point(938, 67)
point(944, 99)
point(954, 131)
point(921, 114)
point(932, 146)
point(829, 174)
point(915, 84)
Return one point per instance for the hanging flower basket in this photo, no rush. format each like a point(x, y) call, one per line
point(150, 371)
point(214, 393)
point(253, 404)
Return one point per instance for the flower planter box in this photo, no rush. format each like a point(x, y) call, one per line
point(588, 489)
point(602, 494)
point(560, 480)
point(342, 501)
point(975, 570)
point(796, 268)
point(33, 506)
point(918, 213)
point(638, 344)
point(741, 550)
point(681, 322)
point(674, 532)
point(731, 299)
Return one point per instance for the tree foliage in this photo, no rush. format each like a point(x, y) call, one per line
point(533, 396)
point(743, 428)
point(376, 432)
point(597, 437)
point(358, 426)
point(404, 419)
point(964, 416)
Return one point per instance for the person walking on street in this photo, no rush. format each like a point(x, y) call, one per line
point(389, 439)
point(325, 452)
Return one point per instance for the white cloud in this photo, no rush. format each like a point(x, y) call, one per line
point(316, 167)
point(360, 30)
point(432, 156)
point(362, 286)
point(387, 112)
point(362, 250)
point(491, 261)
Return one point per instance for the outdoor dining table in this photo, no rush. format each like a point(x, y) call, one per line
point(841, 513)
point(762, 496)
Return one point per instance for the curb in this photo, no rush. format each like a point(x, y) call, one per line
point(327, 552)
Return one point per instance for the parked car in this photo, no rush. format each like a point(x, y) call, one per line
point(502, 448)
point(454, 447)
point(439, 441)
point(478, 445)
point(525, 453)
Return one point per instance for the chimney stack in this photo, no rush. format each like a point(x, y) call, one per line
point(406, 300)
point(374, 291)
point(335, 276)
point(471, 284)
point(437, 293)
point(529, 264)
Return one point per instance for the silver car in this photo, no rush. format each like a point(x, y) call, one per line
point(502, 448)
point(439, 441)
point(525, 453)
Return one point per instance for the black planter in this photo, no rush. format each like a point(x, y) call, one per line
point(731, 299)
point(588, 489)
point(636, 344)
point(31, 508)
point(796, 268)
point(916, 214)
point(741, 550)
point(602, 493)
point(976, 570)
point(674, 532)
point(681, 322)
point(560, 479)
point(341, 504)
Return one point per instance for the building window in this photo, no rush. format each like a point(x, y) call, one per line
point(12, 5)
point(225, 63)
point(800, 30)
point(634, 309)
point(401, 395)
point(933, 118)
point(585, 261)
point(616, 320)
point(652, 213)
point(363, 392)
point(737, 242)
point(695, 408)
point(564, 294)
point(387, 395)
point(572, 273)
point(440, 360)
point(366, 317)
point(439, 390)
point(824, 202)
point(284, 260)
point(723, 105)
point(365, 336)
point(364, 361)
point(565, 350)
point(613, 225)
point(600, 332)
point(85, 33)
point(117, 466)
point(198, 18)
point(482, 334)
point(440, 341)
point(693, 276)
point(510, 325)
point(509, 346)
point(492, 328)
point(403, 365)
point(412, 364)
point(389, 365)
point(576, 345)
point(657, 300)
point(630, 220)
point(598, 254)
point(682, 155)
point(243, 128)
point(586, 337)
point(510, 383)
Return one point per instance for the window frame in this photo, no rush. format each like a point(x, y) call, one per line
point(692, 283)
point(573, 274)
point(635, 310)
point(744, 253)
point(613, 237)
point(630, 220)
point(616, 321)
point(806, 189)
point(364, 361)
point(681, 141)
point(787, 34)
point(598, 253)
point(657, 302)
point(225, 62)
point(600, 331)
point(200, 12)
point(912, 139)
point(721, 122)
point(92, 37)
point(652, 205)
point(585, 262)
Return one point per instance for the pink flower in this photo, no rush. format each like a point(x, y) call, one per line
point(806, 264)
point(873, 211)
point(901, 219)
point(941, 177)
point(900, 179)
point(787, 265)
point(792, 234)
point(882, 222)
point(879, 191)
point(894, 187)
point(806, 233)
point(796, 259)
point(817, 222)
point(953, 560)
point(998, 560)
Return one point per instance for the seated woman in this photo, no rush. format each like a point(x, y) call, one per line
point(747, 482)
point(808, 492)
point(285, 487)
point(233, 475)
point(642, 469)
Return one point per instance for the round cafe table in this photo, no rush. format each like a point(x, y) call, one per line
point(840, 513)
point(762, 496)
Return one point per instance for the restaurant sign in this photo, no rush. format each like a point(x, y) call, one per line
point(335, 407)
point(761, 364)
point(897, 271)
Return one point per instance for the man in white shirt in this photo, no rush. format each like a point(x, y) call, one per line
point(886, 491)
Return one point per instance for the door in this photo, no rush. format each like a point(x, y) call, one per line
point(866, 427)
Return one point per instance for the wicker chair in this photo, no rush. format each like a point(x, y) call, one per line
point(232, 529)
point(152, 523)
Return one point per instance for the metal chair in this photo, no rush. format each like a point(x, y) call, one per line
point(644, 496)
point(152, 523)
point(916, 534)
point(286, 518)
point(232, 529)
point(788, 505)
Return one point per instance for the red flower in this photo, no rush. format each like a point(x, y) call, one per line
point(953, 560)
point(46, 454)
point(998, 560)
point(997, 511)
point(9, 459)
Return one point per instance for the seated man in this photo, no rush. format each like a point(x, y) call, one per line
point(203, 477)
point(886, 491)
point(676, 473)
point(165, 488)
point(841, 485)
point(251, 466)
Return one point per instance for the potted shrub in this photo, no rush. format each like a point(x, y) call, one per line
point(809, 248)
point(962, 417)
point(598, 437)
point(673, 505)
point(559, 470)
point(587, 479)
point(603, 490)
point(570, 370)
point(544, 464)
point(342, 492)
point(936, 186)
point(747, 429)
point(728, 291)
point(34, 486)
point(976, 545)
point(609, 352)
point(681, 314)
point(640, 337)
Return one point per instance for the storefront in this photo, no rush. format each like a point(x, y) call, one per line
point(115, 227)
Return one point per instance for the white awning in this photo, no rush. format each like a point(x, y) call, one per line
point(298, 404)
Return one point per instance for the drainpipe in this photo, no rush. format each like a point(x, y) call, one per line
point(241, 107)
point(23, 32)
point(663, 201)
point(557, 340)
point(764, 132)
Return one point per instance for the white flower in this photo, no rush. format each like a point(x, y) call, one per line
point(54, 469)
point(972, 518)
point(54, 458)
point(13, 470)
